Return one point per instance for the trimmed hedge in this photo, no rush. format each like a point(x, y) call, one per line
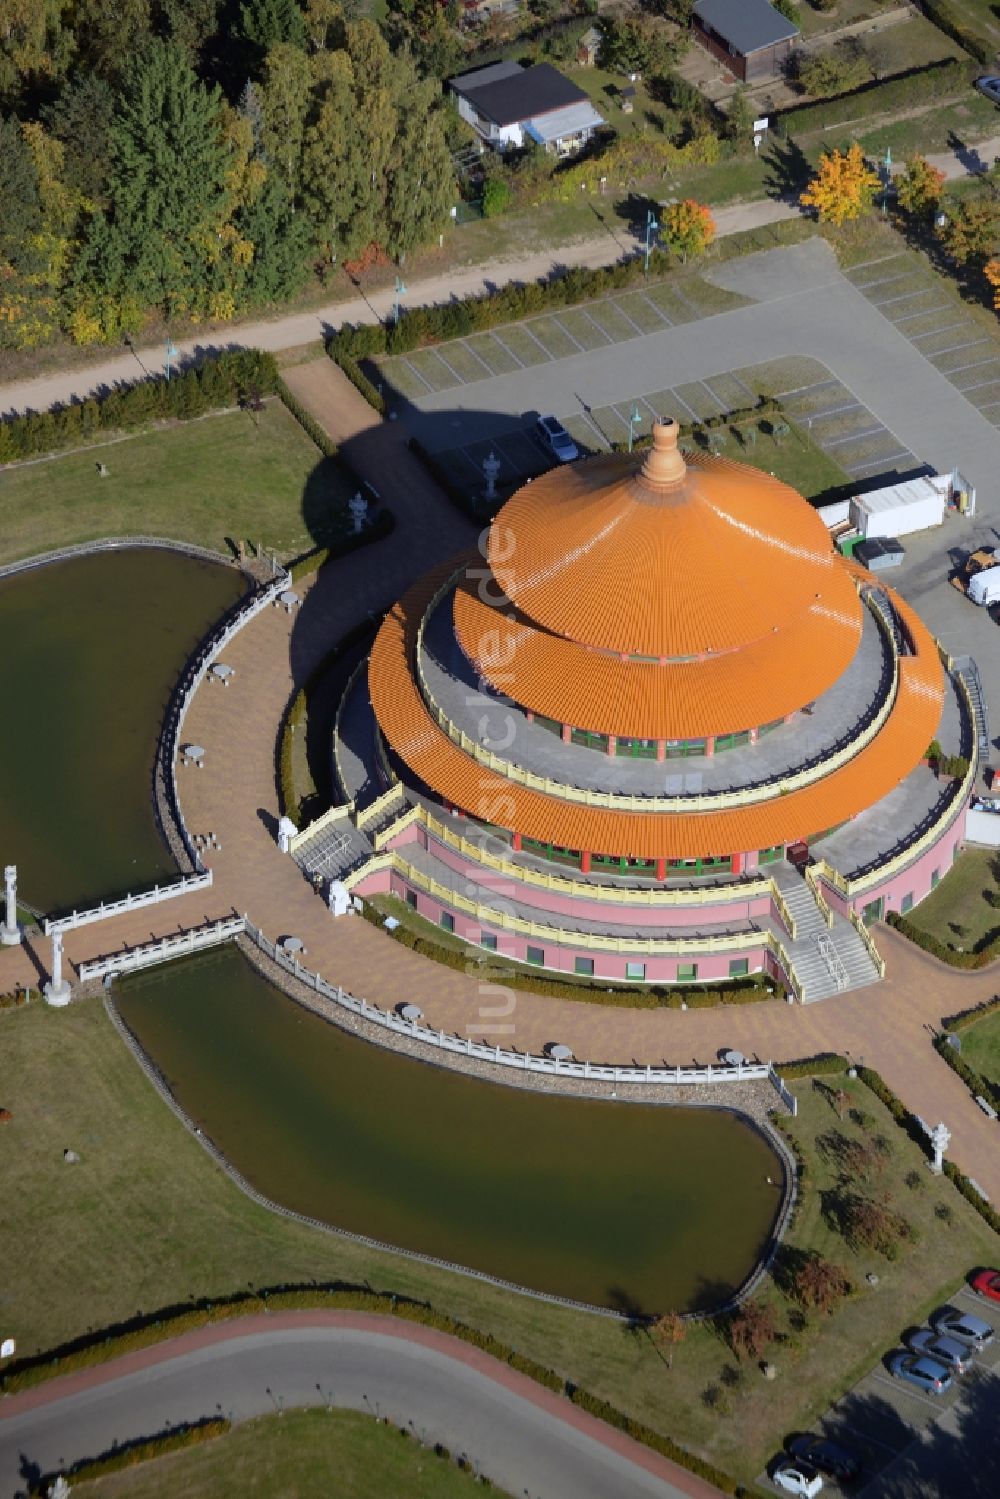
point(968, 1191)
point(964, 1018)
point(981, 956)
point(949, 19)
point(938, 80)
point(974, 1081)
point(99, 1348)
point(821, 1065)
point(226, 379)
point(306, 420)
point(13, 1001)
point(645, 997)
point(472, 505)
point(142, 1450)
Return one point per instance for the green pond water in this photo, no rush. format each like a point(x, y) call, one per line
point(94, 646)
point(624, 1205)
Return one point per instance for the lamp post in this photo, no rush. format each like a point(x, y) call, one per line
point(887, 168)
point(652, 224)
point(171, 353)
point(400, 293)
point(634, 418)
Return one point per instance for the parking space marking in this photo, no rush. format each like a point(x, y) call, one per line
point(879, 260)
point(696, 312)
point(560, 324)
point(975, 365)
point(631, 323)
point(933, 332)
point(414, 371)
point(800, 390)
point(822, 416)
point(876, 465)
point(478, 358)
point(920, 312)
point(905, 296)
point(450, 368)
point(602, 439)
point(866, 286)
point(608, 340)
point(536, 341)
point(970, 343)
point(655, 415)
point(519, 362)
point(836, 442)
point(667, 322)
point(464, 452)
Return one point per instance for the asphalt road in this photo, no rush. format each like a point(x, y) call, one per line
point(525, 1447)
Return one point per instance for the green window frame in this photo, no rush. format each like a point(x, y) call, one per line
point(687, 973)
point(872, 911)
point(411, 899)
point(739, 968)
point(488, 940)
point(935, 878)
point(584, 967)
point(535, 955)
point(447, 921)
point(589, 740)
point(635, 970)
point(906, 904)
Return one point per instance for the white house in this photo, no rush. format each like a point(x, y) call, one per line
point(509, 105)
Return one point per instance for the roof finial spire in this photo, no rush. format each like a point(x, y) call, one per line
point(664, 465)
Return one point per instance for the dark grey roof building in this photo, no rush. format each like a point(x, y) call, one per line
point(508, 104)
point(749, 36)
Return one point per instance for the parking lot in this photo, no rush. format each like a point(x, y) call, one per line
point(919, 1446)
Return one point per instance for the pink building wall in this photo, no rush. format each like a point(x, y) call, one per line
point(915, 880)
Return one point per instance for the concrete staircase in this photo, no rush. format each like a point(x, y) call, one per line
point(966, 668)
point(827, 960)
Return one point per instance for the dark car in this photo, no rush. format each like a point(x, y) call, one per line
point(829, 1457)
point(989, 85)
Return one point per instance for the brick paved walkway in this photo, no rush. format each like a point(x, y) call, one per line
point(235, 796)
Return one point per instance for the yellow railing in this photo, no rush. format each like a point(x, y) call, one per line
point(783, 911)
point(869, 942)
point(492, 916)
point(652, 895)
point(327, 819)
point(617, 801)
point(371, 866)
point(412, 814)
point(820, 899)
point(378, 808)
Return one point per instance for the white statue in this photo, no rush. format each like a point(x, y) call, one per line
point(940, 1137)
point(358, 506)
point(491, 473)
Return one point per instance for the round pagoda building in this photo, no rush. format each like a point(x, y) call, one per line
point(662, 732)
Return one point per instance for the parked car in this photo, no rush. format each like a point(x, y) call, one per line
point(829, 1457)
point(989, 85)
point(926, 1373)
point(951, 1351)
point(555, 437)
point(796, 1477)
point(964, 1327)
point(987, 1283)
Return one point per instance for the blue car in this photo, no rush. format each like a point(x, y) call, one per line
point(926, 1373)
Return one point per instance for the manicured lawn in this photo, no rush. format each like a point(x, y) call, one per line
point(796, 460)
point(957, 912)
point(255, 476)
point(145, 1219)
point(981, 1047)
point(312, 1454)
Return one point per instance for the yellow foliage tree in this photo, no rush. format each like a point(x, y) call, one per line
point(688, 228)
point(843, 188)
point(991, 270)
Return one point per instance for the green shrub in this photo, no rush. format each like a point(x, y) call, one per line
point(143, 1450)
point(294, 720)
point(822, 1065)
point(964, 1018)
point(306, 420)
point(383, 525)
point(968, 1191)
point(976, 1084)
point(220, 380)
point(982, 954)
point(938, 80)
point(949, 19)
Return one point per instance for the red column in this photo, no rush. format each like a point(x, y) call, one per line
point(661, 869)
point(612, 744)
point(585, 861)
point(566, 733)
point(754, 735)
point(661, 749)
point(709, 746)
point(737, 863)
point(515, 842)
point(529, 715)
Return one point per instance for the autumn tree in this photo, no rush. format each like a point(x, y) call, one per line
point(752, 1328)
point(843, 188)
point(667, 1331)
point(991, 270)
point(972, 229)
point(918, 188)
point(687, 228)
point(820, 1285)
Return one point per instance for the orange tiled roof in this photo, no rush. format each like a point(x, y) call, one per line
point(488, 796)
point(661, 558)
point(722, 694)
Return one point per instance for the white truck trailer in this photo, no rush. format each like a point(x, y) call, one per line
point(984, 587)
